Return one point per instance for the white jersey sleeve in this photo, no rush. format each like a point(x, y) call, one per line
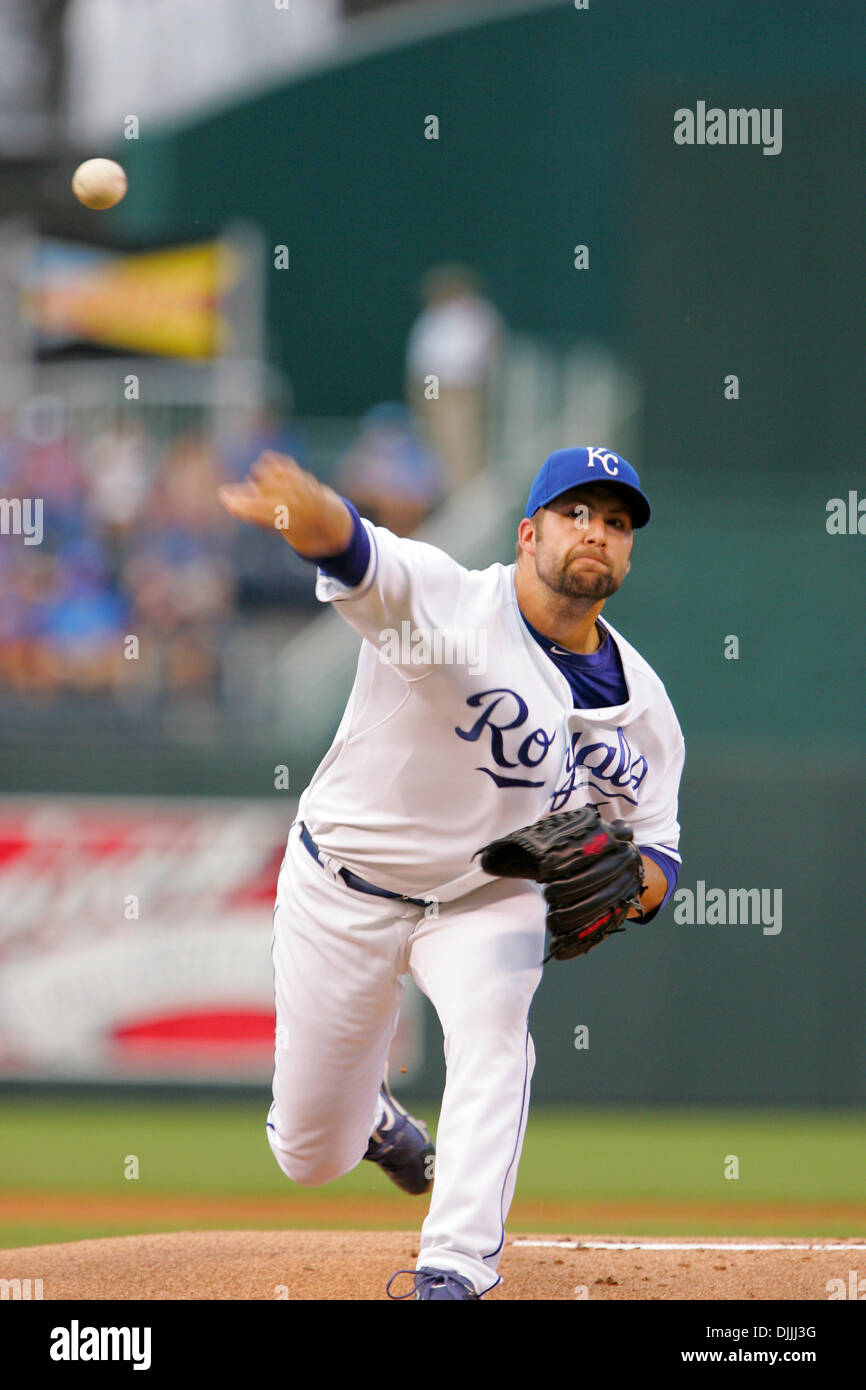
point(407, 581)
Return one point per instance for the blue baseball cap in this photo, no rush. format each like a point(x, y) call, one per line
point(568, 468)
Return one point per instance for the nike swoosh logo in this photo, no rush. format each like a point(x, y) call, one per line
point(559, 651)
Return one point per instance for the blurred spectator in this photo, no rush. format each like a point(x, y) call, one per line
point(261, 429)
point(177, 574)
point(135, 543)
point(83, 621)
point(389, 474)
point(184, 495)
point(61, 623)
point(455, 340)
point(118, 466)
point(27, 583)
point(48, 465)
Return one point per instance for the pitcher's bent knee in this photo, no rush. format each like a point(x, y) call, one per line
point(309, 1169)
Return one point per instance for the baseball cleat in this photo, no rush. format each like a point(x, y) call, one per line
point(434, 1283)
point(401, 1146)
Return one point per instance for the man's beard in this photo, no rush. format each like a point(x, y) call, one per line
point(571, 583)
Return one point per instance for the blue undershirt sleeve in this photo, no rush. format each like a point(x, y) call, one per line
point(350, 566)
point(671, 870)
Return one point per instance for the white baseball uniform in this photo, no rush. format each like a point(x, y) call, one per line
point(459, 729)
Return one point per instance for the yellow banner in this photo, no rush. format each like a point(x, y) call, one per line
point(164, 302)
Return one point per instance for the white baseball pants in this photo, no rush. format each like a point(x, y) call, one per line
point(338, 956)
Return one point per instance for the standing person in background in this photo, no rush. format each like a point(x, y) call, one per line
point(389, 473)
point(452, 350)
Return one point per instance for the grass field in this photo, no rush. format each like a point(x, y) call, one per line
point(641, 1172)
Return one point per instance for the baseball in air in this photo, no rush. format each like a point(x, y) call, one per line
point(99, 183)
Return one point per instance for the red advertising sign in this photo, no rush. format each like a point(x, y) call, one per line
point(135, 939)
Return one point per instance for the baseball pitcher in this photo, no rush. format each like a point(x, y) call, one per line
point(507, 766)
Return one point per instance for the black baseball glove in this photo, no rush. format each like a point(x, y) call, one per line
point(592, 870)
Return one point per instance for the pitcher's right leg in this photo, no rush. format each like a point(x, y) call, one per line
point(337, 955)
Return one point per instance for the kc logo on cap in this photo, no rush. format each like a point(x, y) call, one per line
point(609, 461)
point(571, 468)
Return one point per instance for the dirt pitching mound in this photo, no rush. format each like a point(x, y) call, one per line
point(356, 1265)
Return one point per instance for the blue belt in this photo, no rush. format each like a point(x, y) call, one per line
point(352, 880)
